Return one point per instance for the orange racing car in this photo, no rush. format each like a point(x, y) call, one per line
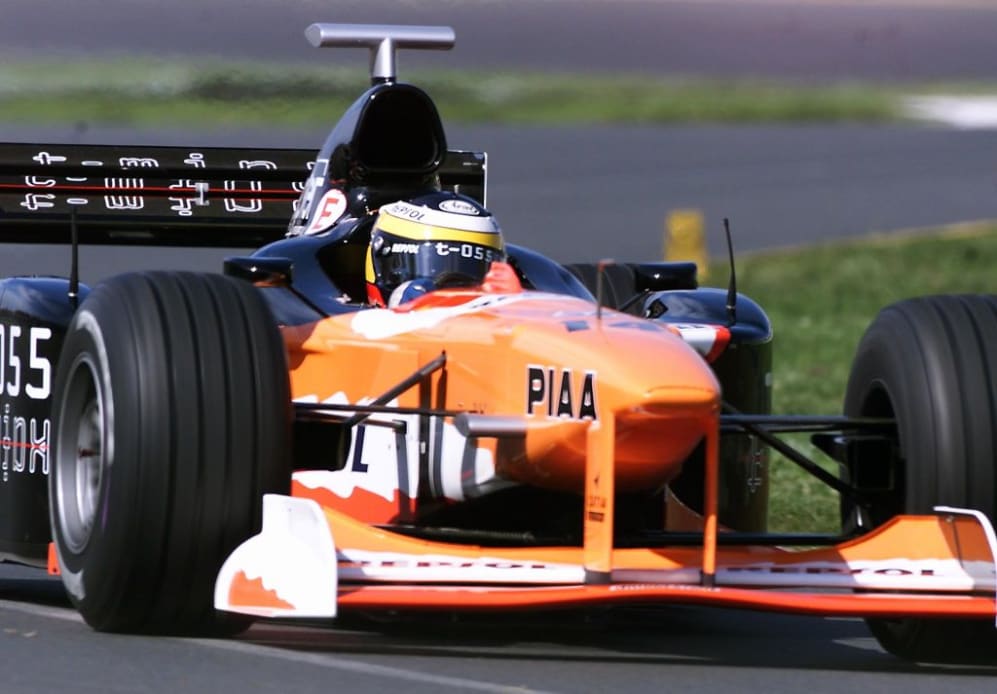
point(388, 407)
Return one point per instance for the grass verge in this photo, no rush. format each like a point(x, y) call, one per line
point(219, 94)
point(820, 301)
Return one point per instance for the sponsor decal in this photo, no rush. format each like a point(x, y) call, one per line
point(386, 461)
point(380, 460)
point(330, 210)
point(937, 574)
point(411, 248)
point(459, 207)
point(406, 211)
point(560, 393)
point(471, 251)
point(709, 340)
point(439, 216)
point(885, 574)
point(359, 565)
point(25, 376)
point(595, 507)
point(755, 463)
point(841, 570)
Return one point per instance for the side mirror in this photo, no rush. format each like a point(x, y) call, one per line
point(267, 272)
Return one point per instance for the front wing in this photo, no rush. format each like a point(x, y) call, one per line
point(309, 561)
point(939, 565)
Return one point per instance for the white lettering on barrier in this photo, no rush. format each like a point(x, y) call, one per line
point(138, 163)
point(45, 159)
point(39, 182)
point(252, 206)
point(121, 201)
point(37, 201)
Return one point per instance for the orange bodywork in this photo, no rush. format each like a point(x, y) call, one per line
point(603, 404)
point(912, 566)
point(548, 360)
point(251, 591)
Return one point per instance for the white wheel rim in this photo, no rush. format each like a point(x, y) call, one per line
point(80, 458)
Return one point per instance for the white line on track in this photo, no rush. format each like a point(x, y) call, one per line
point(326, 661)
point(62, 613)
point(365, 668)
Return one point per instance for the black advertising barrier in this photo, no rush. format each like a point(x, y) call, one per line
point(179, 196)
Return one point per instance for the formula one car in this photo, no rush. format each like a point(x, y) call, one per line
point(193, 451)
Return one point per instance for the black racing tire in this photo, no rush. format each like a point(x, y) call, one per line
point(931, 363)
point(619, 285)
point(171, 418)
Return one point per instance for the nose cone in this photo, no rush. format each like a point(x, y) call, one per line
point(665, 377)
point(662, 393)
point(632, 364)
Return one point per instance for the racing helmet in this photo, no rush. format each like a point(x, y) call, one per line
point(434, 241)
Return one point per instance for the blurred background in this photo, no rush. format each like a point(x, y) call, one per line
point(800, 120)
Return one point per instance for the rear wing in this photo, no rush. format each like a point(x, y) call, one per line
point(168, 196)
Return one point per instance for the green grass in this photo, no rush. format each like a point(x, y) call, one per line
point(820, 301)
point(221, 95)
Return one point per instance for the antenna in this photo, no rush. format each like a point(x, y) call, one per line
point(382, 40)
point(600, 291)
point(732, 285)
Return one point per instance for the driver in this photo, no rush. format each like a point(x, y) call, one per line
point(435, 241)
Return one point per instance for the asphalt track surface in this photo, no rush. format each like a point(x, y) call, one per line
point(779, 185)
point(804, 39)
point(48, 648)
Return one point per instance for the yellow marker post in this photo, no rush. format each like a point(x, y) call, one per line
point(685, 239)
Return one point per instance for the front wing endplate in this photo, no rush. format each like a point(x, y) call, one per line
point(942, 565)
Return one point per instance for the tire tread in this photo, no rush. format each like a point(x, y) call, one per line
point(201, 383)
point(935, 358)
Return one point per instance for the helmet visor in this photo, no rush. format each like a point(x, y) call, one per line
point(447, 263)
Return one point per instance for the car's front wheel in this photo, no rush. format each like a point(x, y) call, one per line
point(171, 419)
point(931, 363)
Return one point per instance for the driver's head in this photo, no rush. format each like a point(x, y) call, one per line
point(435, 241)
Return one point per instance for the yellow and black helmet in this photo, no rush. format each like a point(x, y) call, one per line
point(440, 239)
